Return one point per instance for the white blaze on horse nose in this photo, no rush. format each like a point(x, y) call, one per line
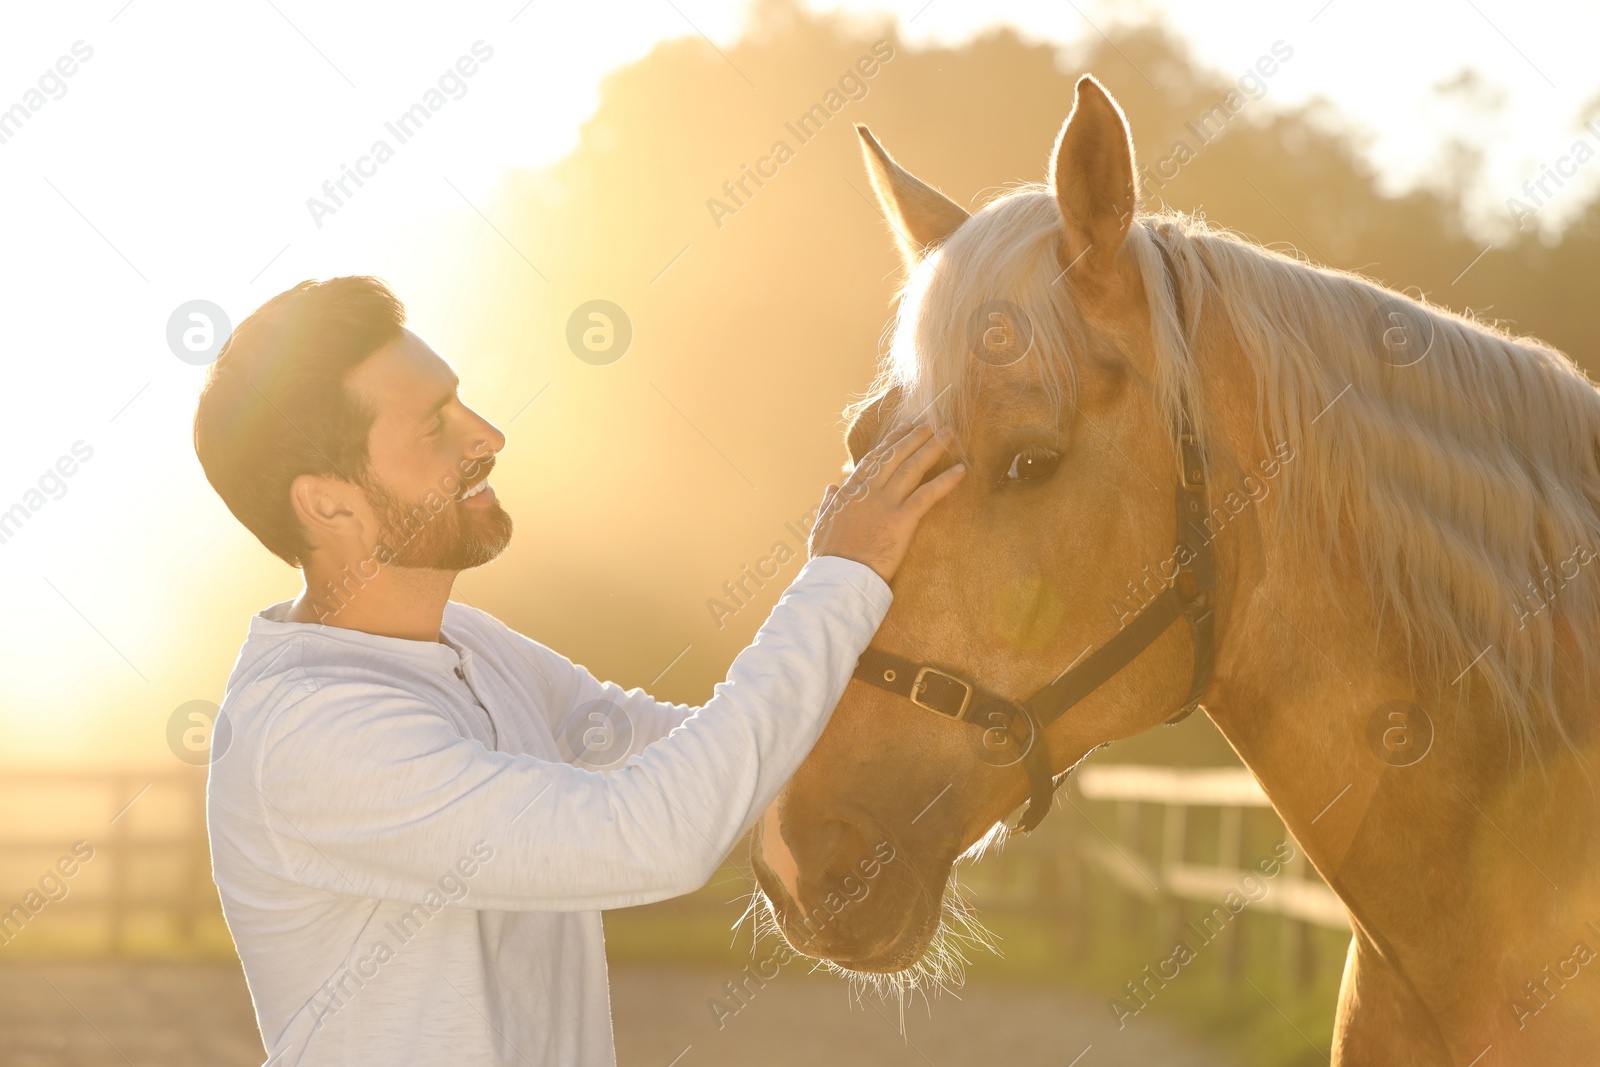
point(775, 853)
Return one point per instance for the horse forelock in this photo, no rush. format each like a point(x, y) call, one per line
point(1007, 254)
point(1004, 253)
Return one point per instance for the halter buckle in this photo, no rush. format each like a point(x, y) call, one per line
point(1191, 468)
point(942, 685)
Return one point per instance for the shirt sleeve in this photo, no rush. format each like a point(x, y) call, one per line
point(367, 791)
point(578, 701)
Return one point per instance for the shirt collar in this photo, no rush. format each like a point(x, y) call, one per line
point(443, 656)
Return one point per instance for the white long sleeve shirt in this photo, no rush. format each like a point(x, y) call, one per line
point(412, 849)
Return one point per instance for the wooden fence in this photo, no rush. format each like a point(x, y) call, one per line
point(1296, 892)
point(146, 884)
point(1135, 827)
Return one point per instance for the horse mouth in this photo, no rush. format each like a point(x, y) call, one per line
point(894, 951)
point(926, 948)
point(900, 924)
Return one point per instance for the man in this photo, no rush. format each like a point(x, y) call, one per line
point(411, 842)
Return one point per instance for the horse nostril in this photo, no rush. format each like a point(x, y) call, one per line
point(841, 844)
point(835, 834)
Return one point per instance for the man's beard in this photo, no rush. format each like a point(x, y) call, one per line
point(437, 532)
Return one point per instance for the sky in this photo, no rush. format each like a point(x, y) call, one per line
point(177, 162)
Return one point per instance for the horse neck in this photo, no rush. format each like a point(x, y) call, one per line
point(1464, 856)
point(1467, 873)
point(1308, 678)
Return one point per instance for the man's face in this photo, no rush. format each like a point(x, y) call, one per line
point(428, 462)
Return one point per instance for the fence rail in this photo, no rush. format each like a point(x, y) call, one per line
point(1233, 790)
point(151, 860)
point(1140, 831)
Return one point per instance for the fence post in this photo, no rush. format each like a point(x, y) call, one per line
point(1047, 889)
point(1174, 833)
point(1230, 855)
point(1296, 945)
point(199, 873)
point(1128, 831)
point(121, 787)
point(1074, 868)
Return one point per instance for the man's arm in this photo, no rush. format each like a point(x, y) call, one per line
point(372, 793)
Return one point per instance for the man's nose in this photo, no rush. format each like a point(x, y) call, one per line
point(488, 440)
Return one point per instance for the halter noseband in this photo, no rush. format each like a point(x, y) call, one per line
point(1188, 597)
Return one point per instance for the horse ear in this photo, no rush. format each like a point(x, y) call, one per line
point(1092, 173)
point(920, 215)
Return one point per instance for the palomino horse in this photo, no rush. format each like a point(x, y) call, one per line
point(1378, 584)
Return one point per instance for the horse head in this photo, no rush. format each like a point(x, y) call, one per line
point(1032, 330)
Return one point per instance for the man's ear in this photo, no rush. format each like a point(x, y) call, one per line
point(1093, 174)
point(328, 507)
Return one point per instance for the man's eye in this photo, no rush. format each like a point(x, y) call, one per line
point(1032, 465)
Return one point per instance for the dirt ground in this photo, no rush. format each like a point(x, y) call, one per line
point(178, 1015)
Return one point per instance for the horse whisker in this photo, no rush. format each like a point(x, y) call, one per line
point(941, 968)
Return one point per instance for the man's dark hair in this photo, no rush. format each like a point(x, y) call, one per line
point(275, 405)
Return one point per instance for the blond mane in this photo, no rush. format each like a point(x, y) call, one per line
point(1463, 485)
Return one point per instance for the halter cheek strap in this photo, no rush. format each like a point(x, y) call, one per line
point(1016, 729)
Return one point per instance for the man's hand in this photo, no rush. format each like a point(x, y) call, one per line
point(871, 518)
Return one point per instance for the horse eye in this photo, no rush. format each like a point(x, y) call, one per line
point(1032, 465)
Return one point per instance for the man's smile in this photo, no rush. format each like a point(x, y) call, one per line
point(481, 495)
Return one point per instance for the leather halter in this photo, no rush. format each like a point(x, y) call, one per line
point(1022, 725)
